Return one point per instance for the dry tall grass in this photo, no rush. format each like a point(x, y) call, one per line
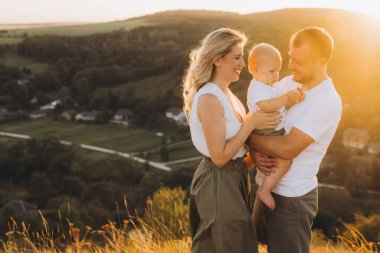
point(163, 229)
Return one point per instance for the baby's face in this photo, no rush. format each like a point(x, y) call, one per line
point(269, 71)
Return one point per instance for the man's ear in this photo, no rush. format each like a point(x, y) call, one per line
point(324, 61)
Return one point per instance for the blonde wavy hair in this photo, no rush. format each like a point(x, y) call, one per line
point(201, 67)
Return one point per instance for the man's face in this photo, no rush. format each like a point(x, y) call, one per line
point(302, 63)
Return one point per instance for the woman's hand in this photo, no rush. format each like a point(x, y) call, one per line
point(262, 120)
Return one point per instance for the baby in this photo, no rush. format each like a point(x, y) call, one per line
point(264, 63)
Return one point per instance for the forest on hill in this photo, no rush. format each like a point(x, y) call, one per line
point(142, 68)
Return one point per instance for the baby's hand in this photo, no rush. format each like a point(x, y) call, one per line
point(302, 97)
point(294, 96)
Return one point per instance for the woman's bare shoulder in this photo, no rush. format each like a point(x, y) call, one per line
point(209, 104)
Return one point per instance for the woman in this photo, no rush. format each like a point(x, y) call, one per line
point(220, 201)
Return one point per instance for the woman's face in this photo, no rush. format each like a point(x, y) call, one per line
point(231, 64)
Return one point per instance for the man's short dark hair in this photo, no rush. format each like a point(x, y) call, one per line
point(318, 38)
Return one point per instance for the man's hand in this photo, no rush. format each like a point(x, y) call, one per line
point(265, 164)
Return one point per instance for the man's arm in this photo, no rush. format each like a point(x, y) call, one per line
point(286, 146)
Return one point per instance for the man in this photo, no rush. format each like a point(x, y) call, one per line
point(310, 126)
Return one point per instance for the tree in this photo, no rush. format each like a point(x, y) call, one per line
point(81, 91)
point(73, 185)
point(41, 188)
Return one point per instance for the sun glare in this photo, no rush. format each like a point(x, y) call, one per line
point(372, 11)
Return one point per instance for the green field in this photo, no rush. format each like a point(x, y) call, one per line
point(183, 152)
point(10, 40)
point(176, 152)
point(17, 61)
point(132, 139)
point(8, 140)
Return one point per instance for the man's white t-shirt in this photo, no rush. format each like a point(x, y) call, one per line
point(258, 91)
point(318, 116)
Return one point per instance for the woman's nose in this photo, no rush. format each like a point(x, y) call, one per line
point(243, 64)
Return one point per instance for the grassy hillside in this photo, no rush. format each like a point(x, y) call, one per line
point(162, 228)
point(14, 36)
point(81, 30)
point(354, 33)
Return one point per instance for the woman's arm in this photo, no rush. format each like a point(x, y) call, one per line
point(211, 115)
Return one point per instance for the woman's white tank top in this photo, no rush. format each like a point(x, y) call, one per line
point(232, 123)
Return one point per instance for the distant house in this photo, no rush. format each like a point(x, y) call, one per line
point(34, 100)
point(37, 114)
point(123, 116)
point(355, 138)
point(23, 82)
point(374, 148)
point(51, 106)
point(89, 116)
point(177, 115)
point(173, 112)
point(68, 115)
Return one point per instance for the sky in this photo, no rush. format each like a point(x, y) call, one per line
point(52, 11)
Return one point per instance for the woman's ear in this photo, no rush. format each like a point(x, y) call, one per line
point(217, 62)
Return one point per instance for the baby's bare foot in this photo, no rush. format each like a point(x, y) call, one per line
point(266, 197)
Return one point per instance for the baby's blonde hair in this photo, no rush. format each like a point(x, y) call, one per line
point(259, 53)
point(215, 45)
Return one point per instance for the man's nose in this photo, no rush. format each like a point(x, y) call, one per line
point(290, 65)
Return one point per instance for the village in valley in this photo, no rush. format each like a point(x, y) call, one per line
point(354, 154)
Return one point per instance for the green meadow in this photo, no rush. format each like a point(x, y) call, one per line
point(131, 139)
